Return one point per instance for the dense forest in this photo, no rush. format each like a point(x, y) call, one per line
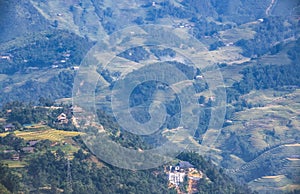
point(49, 49)
point(48, 172)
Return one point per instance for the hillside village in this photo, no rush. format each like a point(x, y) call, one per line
point(18, 141)
point(181, 173)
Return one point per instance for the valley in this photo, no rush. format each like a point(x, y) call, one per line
point(249, 50)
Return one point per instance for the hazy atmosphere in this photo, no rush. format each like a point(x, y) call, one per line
point(167, 96)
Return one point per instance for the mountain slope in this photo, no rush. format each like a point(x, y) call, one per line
point(254, 43)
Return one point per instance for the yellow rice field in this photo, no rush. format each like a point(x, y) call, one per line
point(50, 134)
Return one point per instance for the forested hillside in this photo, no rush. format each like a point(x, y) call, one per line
point(252, 46)
point(54, 166)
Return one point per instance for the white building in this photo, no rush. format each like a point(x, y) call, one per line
point(176, 177)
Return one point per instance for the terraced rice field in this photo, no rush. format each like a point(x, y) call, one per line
point(280, 182)
point(14, 164)
point(50, 134)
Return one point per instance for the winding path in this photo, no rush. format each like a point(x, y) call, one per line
point(268, 10)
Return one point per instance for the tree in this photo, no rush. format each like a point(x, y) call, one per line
point(8, 180)
point(80, 155)
point(201, 99)
point(4, 190)
point(12, 140)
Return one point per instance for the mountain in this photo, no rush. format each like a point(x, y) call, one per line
point(253, 45)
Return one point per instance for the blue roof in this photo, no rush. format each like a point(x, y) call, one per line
point(9, 125)
point(185, 164)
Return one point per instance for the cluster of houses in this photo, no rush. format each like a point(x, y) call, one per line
point(183, 25)
point(16, 155)
point(57, 64)
point(178, 174)
point(60, 63)
point(26, 150)
point(61, 119)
